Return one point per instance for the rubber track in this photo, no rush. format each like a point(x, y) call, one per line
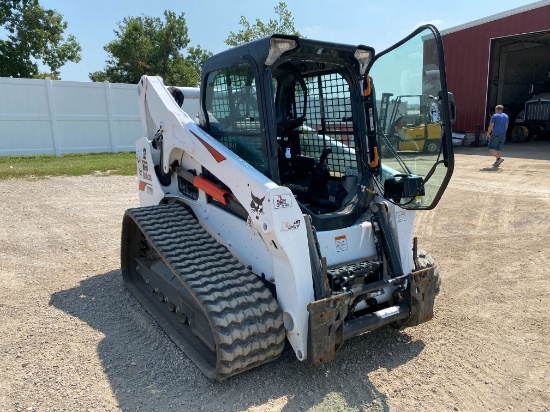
point(245, 318)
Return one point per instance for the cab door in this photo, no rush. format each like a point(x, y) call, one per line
point(410, 89)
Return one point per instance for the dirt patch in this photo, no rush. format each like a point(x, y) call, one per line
point(72, 337)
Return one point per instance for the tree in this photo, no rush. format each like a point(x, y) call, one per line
point(147, 45)
point(30, 34)
point(284, 25)
point(195, 58)
point(43, 75)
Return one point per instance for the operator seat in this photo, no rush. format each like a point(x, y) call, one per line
point(289, 116)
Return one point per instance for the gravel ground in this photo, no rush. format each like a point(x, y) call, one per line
point(72, 337)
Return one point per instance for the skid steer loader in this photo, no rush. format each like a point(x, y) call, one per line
point(272, 216)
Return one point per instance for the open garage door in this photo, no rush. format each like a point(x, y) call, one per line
point(519, 68)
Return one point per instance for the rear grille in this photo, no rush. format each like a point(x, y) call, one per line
point(537, 111)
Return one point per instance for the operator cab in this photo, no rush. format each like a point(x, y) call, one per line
point(306, 114)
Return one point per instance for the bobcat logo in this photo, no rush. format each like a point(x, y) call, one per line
point(257, 205)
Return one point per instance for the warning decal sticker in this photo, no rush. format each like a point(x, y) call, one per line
point(282, 201)
point(341, 243)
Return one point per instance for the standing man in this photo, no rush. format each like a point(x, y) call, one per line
point(496, 133)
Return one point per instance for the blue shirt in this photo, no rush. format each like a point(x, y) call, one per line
point(500, 121)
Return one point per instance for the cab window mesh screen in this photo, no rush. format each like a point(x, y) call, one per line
point(233, 113)
point(329, 123)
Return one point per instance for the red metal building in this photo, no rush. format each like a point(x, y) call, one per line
point(501, 59)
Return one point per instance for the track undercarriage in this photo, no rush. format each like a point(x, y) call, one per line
point(218, 312)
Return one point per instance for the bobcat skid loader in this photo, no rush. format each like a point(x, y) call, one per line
point(272, 216)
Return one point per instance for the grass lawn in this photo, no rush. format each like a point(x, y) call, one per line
point(41, 166)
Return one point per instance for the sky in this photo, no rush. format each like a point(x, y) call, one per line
point(376, 23)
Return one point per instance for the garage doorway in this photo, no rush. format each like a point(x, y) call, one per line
point(519, 68)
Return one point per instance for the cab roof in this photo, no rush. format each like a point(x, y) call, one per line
point(307, 49)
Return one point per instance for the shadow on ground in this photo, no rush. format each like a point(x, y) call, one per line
point(490, 169)
point(148, 372)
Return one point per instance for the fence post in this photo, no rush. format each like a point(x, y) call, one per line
point(53, 117)
point(110, 116)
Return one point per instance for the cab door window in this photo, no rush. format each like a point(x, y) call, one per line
point(233, 113)
point(413, 124)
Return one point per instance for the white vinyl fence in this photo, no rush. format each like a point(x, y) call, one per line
point(56, 117)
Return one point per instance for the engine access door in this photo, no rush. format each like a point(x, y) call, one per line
point(413, 124)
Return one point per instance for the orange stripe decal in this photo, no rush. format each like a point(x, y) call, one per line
point(217, 155)
point(142, 185)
